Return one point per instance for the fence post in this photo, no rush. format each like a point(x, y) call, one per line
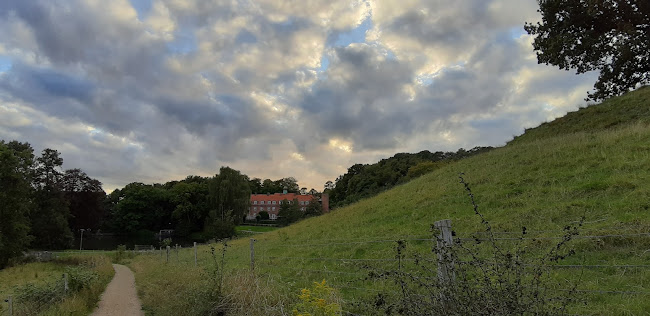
point(444, 241)
point(195, 253)
point(65, 283)
point(10, 301)
point(252, 254)
point(168, 253)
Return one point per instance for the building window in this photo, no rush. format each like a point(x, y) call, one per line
point(268, 202)
point(262, 202)
point(273, 202)
point(268, 208)
point(254, 202)
point(274, 208)
point(280, 202)
point(255, 208)
point(306, 202)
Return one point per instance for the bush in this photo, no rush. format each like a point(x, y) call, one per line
point(122, 253)
point(80, 278)
point(263, 215)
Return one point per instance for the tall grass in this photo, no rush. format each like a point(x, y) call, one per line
point(37, 288)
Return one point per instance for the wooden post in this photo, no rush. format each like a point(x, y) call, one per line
point(65, 283)
point(252, 254)
point(444, 243)
point(177, 259)
point(195, 253)
point(10, 301)
point(168, 253)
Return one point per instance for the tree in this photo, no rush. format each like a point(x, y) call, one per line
point(229, 196)
point(610, 36)
point(289, 212)
point(290, 184)
point(255, 185)
point(85, 198)
point(139, 207)
point(263, 216)
point(16, 163)
point(314, 208)
point(190, 200)
point(49, 219)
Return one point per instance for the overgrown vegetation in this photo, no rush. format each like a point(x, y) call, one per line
point(39, 288)
point(479, 276)
point(210, 289)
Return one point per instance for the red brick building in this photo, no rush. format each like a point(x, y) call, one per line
point(271, 203)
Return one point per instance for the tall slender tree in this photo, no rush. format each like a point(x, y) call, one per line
point(50, 216)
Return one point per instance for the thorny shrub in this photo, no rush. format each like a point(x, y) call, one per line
point(482, 276)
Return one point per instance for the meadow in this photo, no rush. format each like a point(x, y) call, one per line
point(38, 287)
point(598, 178)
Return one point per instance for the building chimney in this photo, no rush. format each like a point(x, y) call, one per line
point(325, 202)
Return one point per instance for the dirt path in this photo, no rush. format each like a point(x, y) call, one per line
point(120, 297)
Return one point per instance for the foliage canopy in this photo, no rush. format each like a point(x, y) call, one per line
point(610, 36)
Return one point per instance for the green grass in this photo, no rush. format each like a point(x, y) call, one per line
point(550, 177)
point(258, 229)
point(629, 108)
point(42, 273)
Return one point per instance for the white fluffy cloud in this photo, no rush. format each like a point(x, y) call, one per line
point(274, 88)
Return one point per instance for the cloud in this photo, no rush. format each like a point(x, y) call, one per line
point(273, 88)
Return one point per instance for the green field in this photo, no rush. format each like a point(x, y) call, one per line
point(544, 180)
point(38, 287)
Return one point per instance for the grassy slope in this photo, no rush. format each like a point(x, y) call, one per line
point(543, 180)
point(632, 107)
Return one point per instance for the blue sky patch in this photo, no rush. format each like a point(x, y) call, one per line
point(355, 35)
point(143, 7)
point(184, 42)
point(5, 63)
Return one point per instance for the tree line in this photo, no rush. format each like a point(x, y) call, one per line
point(366, 180)
point(43, 206)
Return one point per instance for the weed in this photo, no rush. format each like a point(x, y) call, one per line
point(320, 300)
point(481, 277)
point(121, 254)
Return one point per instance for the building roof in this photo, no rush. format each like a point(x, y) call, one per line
point(280, 197)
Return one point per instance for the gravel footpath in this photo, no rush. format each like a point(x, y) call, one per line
point(120, 297)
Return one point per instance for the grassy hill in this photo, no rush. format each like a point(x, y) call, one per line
point(593, 163)
point(612, 113)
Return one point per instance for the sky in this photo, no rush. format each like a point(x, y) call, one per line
point(155, 90)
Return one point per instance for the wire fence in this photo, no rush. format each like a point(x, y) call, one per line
point(347, 263)
point(31, 299)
